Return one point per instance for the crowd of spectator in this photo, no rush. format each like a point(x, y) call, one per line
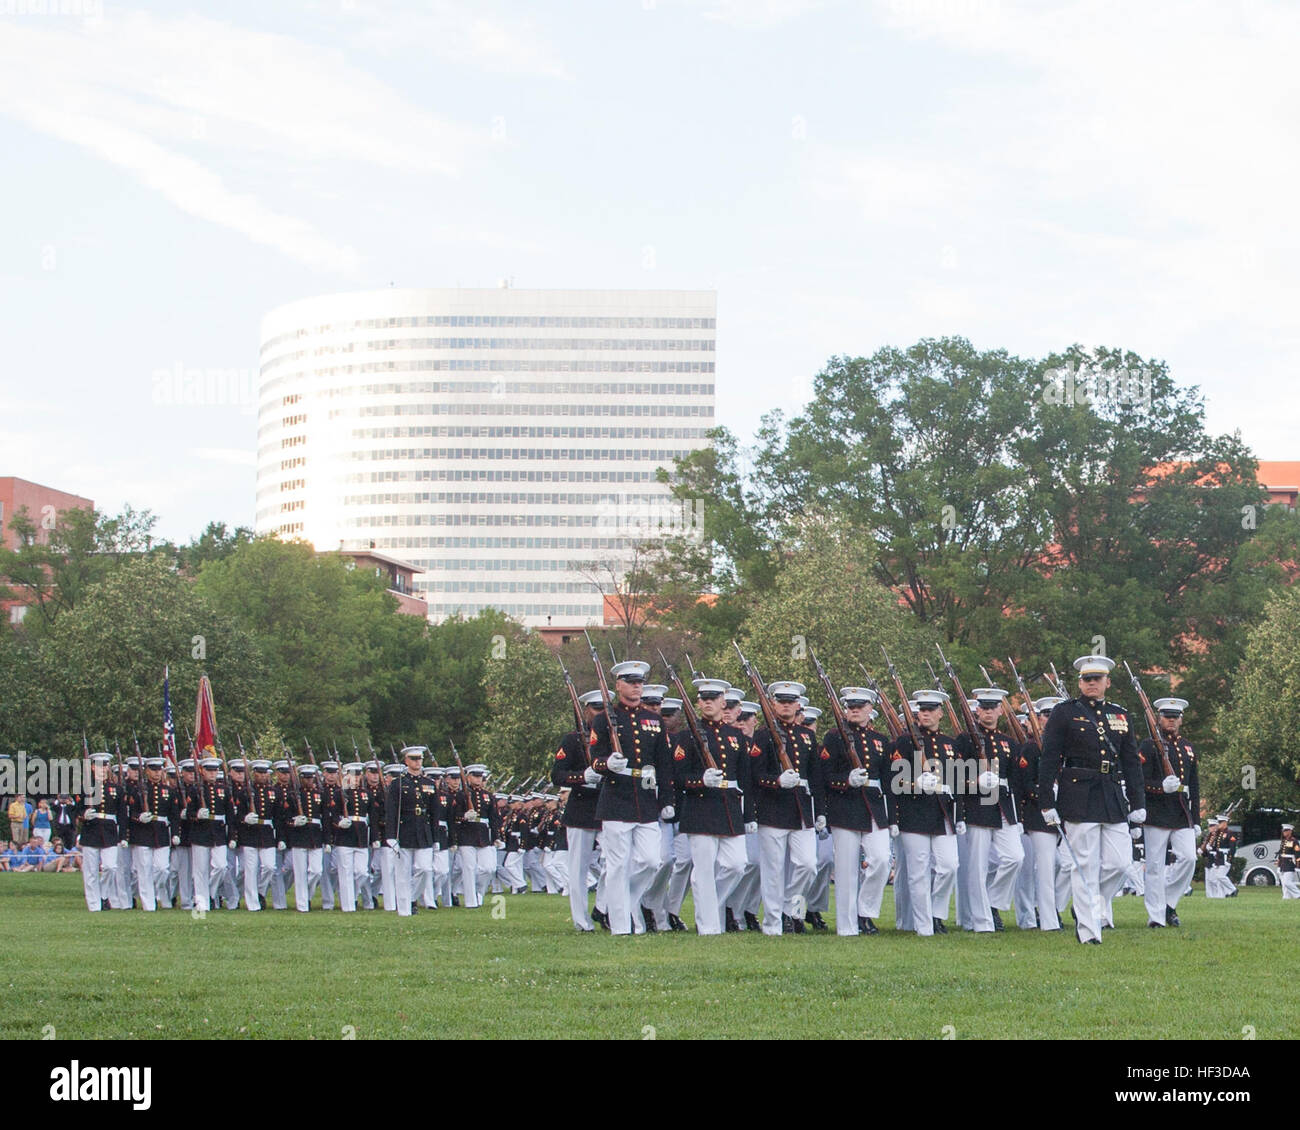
point(42, 836)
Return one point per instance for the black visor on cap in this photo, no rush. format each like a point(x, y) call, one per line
point(786, 697)
point(709, 696)
point(632, 678)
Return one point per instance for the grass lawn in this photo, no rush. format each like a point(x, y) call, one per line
point(526, 973)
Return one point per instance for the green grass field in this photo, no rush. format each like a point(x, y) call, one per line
point(526, 973)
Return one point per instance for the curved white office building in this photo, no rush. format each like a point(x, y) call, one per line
point(501, 440)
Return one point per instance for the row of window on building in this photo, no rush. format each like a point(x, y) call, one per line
point(507, 498)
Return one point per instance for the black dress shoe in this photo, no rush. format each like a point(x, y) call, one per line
point(866, 926)
point(648, 915)
point(997, 921)
point(599, 917)
point(752, 922)
point(1094, 941)
point(797, 924)
point(787, 924)
point(1107, 926)
point(1155, 926)
point(1171, 917)
point(1038, 921)
point(455, 900)
point(675, 924)
point(1072, 914)
point(732, 927)
point(939, 927)
point(816, 921)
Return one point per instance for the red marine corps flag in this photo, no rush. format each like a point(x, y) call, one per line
point(205, 721)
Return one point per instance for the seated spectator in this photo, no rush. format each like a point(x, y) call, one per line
point(33, 856)
point(59, 859)
point(8, 855)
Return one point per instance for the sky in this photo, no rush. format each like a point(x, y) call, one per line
point(846, 175)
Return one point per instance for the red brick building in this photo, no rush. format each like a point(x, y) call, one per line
point(43, 505)
point(399, 574)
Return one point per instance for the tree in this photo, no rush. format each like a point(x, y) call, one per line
point(826, 599)
point(1256, 723)
point(52, 573)
point(214, 544)
point(101, 666)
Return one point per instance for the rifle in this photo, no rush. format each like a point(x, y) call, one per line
point(972, 727)
point(952, 714)
point(914, 733)
point(464, 781)
point(190, 738)
point(615, 743)
point(1158, 739)
point(893, 723)
point(144, 781)
point(294, 783)
point(1055, 682)
point(613, 657)
point(248, 769)
point(841, 723)
point(765, 705)
point(310, 756)
point(692, 720)
point(573, 699)
point(1013, 723)
point(1035, 726)
point(694, 673)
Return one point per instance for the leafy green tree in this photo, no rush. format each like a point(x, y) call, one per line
point(1257, 722)
point(101, 665)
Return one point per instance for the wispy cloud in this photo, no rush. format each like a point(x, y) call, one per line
point(170, 99)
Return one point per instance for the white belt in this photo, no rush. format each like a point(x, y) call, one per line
point(873, 783)
point(105, 816)
point(627, 772)
point(218, 817)
point(1003, 782)
point(313, 820)
point(159, 820)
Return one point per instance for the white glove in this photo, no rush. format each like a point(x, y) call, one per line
point(929, 783)
point(500, 845)
point(714, 778)
point(1137, 816)
point(470, 817)
point(751, 827)
point(788, 780)
point(1135, 831)
point(251, 818)
point(202, 814)
point(648, 778)
point(616, 762)
point(299, 821)
point(91, 814)
point(961, 827)
point(281, 845)
point(392, 844)
point(820, 823)
point(1196, 832)
point(329, 848)
point(232, 844)
point(374, 846)
point(988, 781)
point(893, 831)
point(345, 823)
point(857, 778)
point(668, 812)
point(146, 817)
point(176, 841)
point(1051, 816)
point(1171, 784)
point(590, 776)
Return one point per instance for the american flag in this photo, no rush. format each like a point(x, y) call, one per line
point(169, 728)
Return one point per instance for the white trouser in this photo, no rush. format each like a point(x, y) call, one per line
point(99, 877)
point(858, 892)
point(655, 898)
point(412, 868)
point(1135, 878)
point(328, 879)
point(987, 892)
point(557, 871)
point(352, 865)
point(631, 856)
point(787, 861)
point(1217, 883)
point(209, 867)
point(1040, 866)
point(125, 877)
point(425, 892)
point(1104, 851)
point(928, 897)
point(533, 869)
point(151, 865)
point(512, 871)
point(259, 866)
point(602, 869)
point(748, 894)
point(582, 843)
point(306, 875)
point(278, 890)
point(477, 866)
point(679, 875)
point(819, 890)
point(718, 863)
point(388, 876)
point(1290, 884)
